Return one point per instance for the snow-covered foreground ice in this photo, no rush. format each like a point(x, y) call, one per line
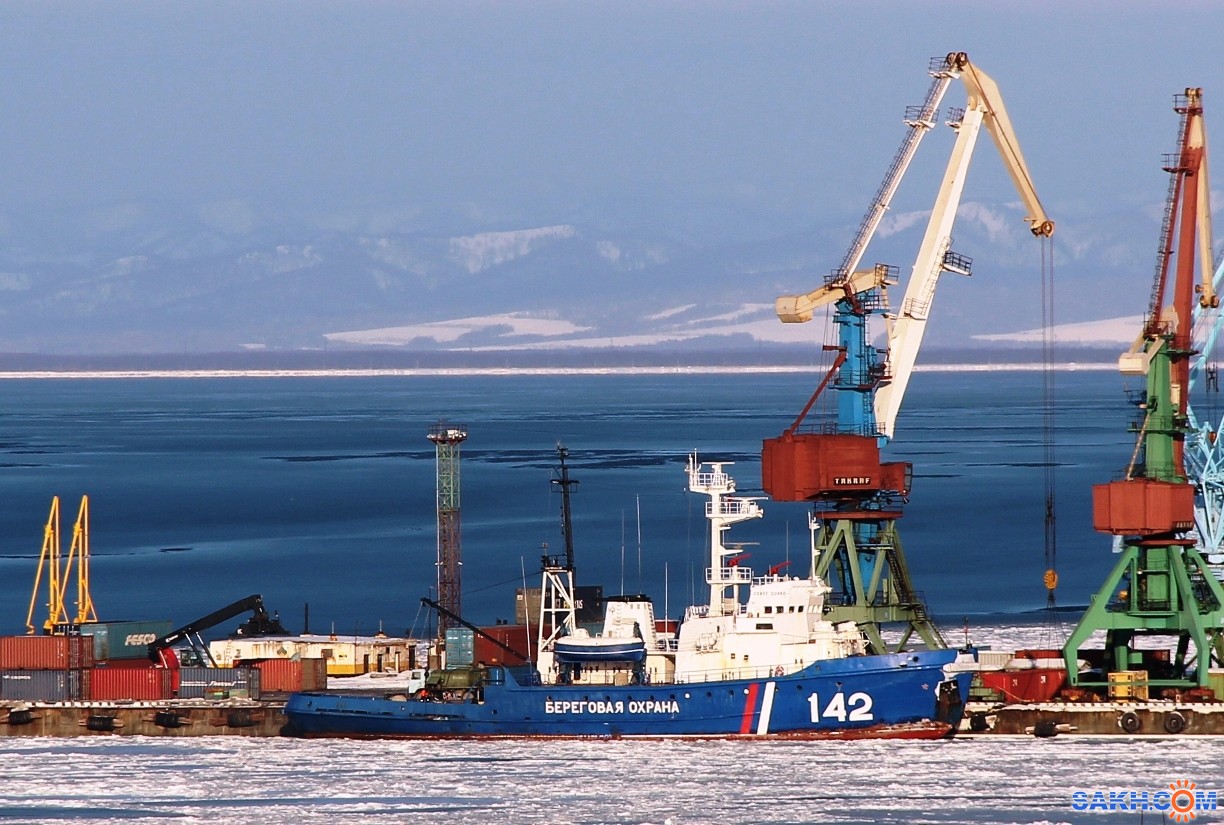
point(230, 780)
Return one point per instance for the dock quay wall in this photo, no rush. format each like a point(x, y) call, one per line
point(1122, 718)
point(168, 718)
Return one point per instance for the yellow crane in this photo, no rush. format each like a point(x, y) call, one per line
point(59, 570)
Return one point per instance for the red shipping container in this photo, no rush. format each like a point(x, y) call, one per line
point(46, 652)
point(519, 637)
point(114, 683)
point(1035, 685)
point(279, 675)
point(130, 664)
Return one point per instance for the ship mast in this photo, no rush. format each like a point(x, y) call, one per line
point(564, 481)
point(722, 510)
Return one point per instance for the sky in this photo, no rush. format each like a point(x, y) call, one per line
point(557, 106)
point(696, 119)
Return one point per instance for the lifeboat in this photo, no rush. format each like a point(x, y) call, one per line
point(580, 646)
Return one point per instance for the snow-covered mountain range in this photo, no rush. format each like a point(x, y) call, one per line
point(227, 277)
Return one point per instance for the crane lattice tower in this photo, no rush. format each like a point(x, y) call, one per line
point(446, 439)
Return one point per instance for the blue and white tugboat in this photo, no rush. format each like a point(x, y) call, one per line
point(759, 660)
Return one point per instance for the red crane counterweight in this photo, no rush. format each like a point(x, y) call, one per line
point(1142, 507)
point(830, 467)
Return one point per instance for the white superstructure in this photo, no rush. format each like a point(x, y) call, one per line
point(751, 626)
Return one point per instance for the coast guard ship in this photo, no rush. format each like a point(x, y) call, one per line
point(757, 660)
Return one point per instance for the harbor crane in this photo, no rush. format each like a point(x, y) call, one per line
point(1161, 584)
point(856, 497)
point(59, 572)
point(1204, 450)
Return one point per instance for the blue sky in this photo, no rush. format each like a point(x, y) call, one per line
point(557, 107)
point(700, 120)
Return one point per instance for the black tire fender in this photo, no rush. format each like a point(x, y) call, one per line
point(1130, 722)
point(978, 723)
point(1045, 729)
point(1174, 722)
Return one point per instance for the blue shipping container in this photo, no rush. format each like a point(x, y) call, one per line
point(218, 683)
point(43, 685)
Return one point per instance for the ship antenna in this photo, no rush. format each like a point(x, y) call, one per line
point(638, 502)
point(622, 589)
point(564, 481)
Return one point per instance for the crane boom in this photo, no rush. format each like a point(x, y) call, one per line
point(797, 309)
point(984, 95)
point(985, 108)
point(260, 624)
point(905, 333)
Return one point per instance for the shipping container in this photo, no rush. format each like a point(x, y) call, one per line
point(129, 664)
point(279, 675)
point(124, 640)
point(314, 674)
point(141, 683)
point(45, 652)
point(588, 604)
point(291, 675)
point(516, 636)
point(218, 683)
point(460, 647)
point(44, 685)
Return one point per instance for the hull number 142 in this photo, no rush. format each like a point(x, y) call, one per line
point(856, 708)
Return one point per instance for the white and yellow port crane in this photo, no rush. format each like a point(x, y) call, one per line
point(856, 496)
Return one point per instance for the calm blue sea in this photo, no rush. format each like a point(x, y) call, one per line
point(320, 491)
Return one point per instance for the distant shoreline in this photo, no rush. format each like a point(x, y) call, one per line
point(393, 372)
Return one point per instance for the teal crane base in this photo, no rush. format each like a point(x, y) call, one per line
point(861, 558)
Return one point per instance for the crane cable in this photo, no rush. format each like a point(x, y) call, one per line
point(1048, 431)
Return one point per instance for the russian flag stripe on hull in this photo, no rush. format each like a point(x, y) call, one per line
point(749, 707)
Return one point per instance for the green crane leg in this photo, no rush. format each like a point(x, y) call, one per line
point(870, 579)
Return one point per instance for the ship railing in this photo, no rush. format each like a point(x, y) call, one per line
point(709, 481)
point(696, 611)
point(613, 678)
point(744, 507)
point(729, 575)
point(758, 672)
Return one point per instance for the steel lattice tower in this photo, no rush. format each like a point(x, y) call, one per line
point(446, 439)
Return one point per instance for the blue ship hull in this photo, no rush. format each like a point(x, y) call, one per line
point(894, 696)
